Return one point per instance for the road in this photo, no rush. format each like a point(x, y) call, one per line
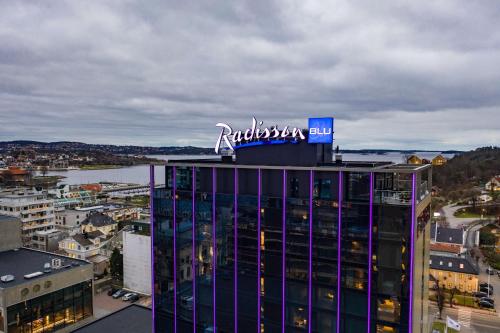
point(455, 222)
point(472, 321)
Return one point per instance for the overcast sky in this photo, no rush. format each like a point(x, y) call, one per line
point(165, 72)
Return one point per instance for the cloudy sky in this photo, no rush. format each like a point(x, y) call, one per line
point(165, 72)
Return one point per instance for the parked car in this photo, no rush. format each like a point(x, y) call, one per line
point(119, 293)
point(486, 285)
point(134, 298)
point(488, 299)
point(127, 297)
point(479, 294)
point(486, 304)
point(490, 271)
point(112, 291)
point(486, 290)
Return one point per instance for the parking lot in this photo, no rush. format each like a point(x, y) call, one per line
point(104, 304)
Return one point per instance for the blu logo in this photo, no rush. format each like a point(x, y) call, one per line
point(320, 130)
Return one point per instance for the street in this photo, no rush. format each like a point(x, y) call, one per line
point(472, 321)
point(455, 222)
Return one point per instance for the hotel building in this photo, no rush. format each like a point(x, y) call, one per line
point(281, 238)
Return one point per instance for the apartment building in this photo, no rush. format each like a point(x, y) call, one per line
point(34, 208)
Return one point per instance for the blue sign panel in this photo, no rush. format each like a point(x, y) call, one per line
point(320, 130)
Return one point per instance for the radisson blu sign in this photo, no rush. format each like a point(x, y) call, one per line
point(320, 131)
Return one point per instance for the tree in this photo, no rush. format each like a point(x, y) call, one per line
point(453, 291)
point(116, 264)
point(439, 298)
point(44, 170)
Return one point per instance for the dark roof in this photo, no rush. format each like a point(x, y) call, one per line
point(132, 319)
point(25, 261)
point(443, 263)
point(84, 239)
point(98, 220)
point(447, 235)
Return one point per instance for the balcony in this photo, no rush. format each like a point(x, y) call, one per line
point(392, 197)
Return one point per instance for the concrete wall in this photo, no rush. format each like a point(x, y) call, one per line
point(10, 233)
point(137, 262)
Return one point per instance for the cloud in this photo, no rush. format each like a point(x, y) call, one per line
point(418, 75)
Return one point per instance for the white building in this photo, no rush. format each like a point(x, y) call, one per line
point(70, 219)
point(137, 262)
point(34, 209)
point(83, 246)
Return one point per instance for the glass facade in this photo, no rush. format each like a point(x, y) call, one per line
point(51, 312)
point(289, 250)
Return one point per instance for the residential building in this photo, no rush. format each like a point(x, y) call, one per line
point(43, 292)
point(414, 159)
point(122, 213)
point(454, 272)
point(493, 184)
point(448, 250)
point(137, 261)
point(14, 176)
point(70, 220)
point(47, 240)
point(439, 160)
point(87, 246)
point(282, 239)
point(447, 235)
point(131, 319)
point(34, 208)
point(83, 246)
point(99, 222)
point(434, 159)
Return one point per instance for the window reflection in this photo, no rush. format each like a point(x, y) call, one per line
point(388, 309)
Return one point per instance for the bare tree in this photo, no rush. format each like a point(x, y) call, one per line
point(453, 291)
point(439, 298)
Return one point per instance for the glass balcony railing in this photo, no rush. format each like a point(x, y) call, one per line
point(392, 197)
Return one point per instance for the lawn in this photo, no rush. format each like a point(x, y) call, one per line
point(440, 327)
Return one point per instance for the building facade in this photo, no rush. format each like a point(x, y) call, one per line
point(137, 261)
point(282, 239)
point(46, 292)
point(34, 208)
point(454, 272)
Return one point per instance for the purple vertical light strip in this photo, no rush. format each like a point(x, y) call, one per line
point(259, 192)
point(151, 226)
point(235, 250)
point(283, 256)
point(412, 240)
point(309, 291)
point(193, 245)
point(214, 245)
point(339, 248)
point(175, 245)
point(370, 254)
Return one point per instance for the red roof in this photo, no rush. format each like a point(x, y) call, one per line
point(17, 171)
point(450, 248)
